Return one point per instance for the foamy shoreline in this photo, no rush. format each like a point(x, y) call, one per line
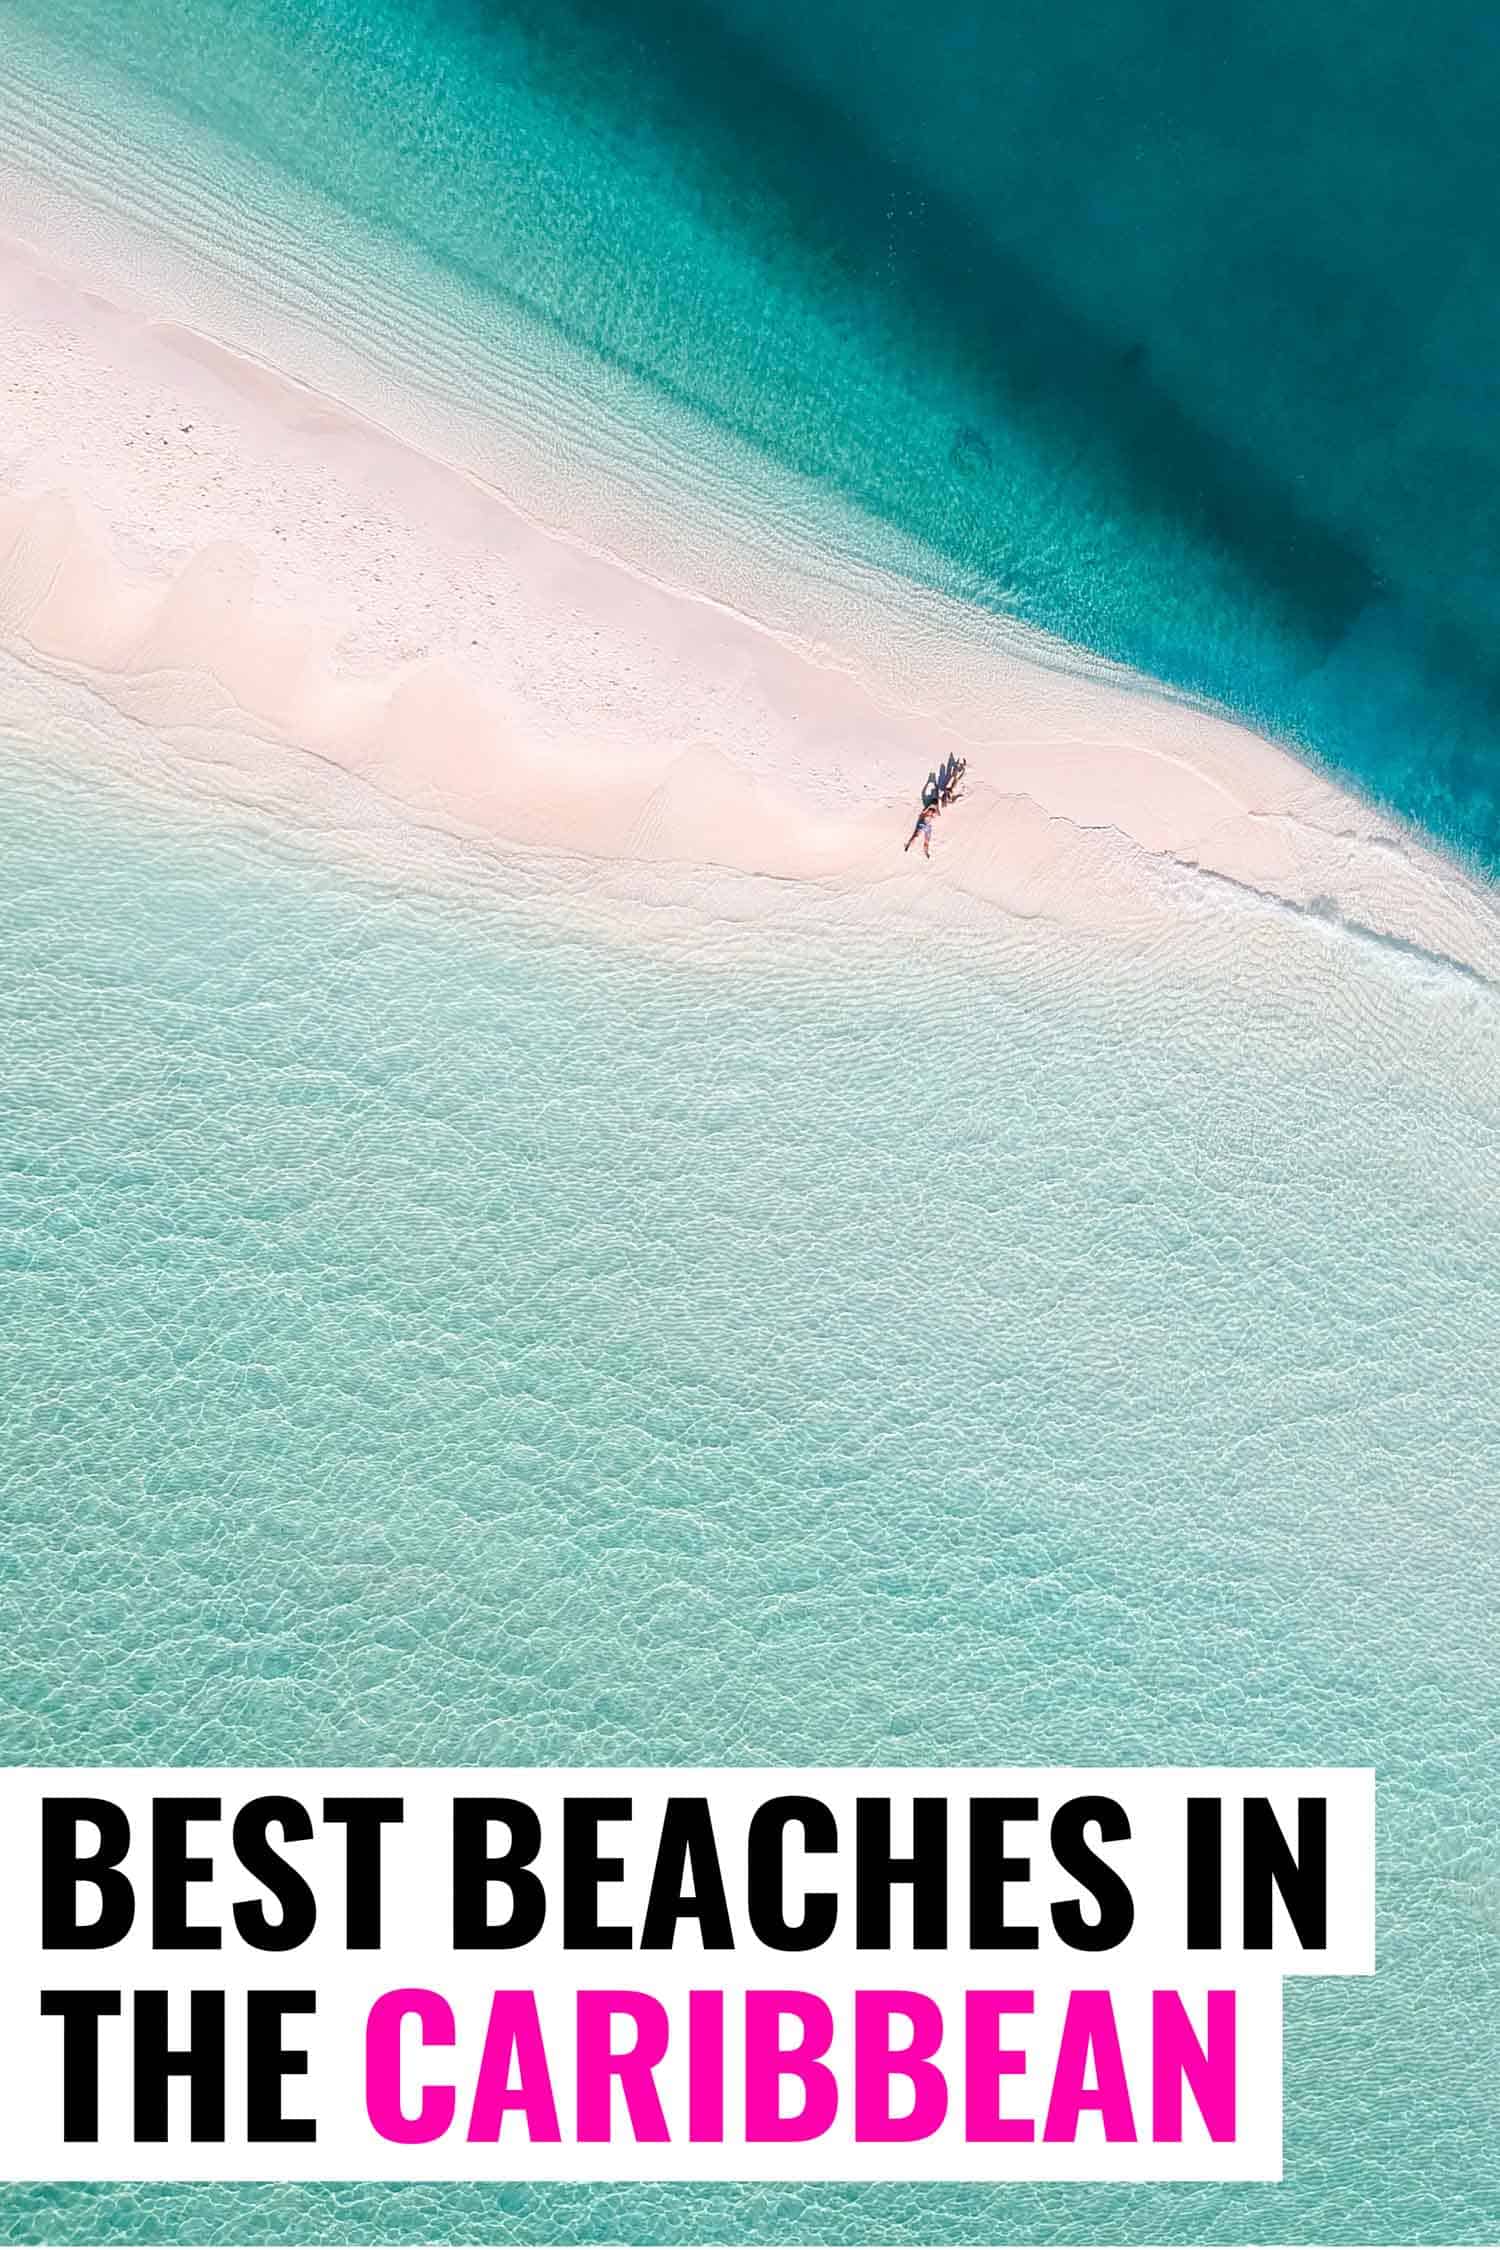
point(209, 543)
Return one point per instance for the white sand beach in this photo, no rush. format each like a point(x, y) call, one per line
point(205, 540)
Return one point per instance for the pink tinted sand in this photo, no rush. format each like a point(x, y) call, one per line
point(206, 542)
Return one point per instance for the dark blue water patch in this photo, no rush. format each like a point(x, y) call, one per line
point(1175, 335)
point(1235, 280)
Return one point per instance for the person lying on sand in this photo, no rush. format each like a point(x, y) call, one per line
point(925, 819)
point(949, 777)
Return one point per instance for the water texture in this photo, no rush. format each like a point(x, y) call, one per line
point(429, 1342)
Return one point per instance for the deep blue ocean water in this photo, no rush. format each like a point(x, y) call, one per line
point(1175, 332)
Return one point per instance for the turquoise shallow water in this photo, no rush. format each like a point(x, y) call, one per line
point(428, 1339)
point(1175, 334)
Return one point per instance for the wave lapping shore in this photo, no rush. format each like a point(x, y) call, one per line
point(208, 542)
